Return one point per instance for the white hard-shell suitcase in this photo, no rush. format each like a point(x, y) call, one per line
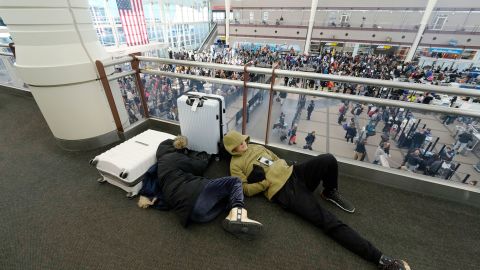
point(125, 164)
point(202, 120)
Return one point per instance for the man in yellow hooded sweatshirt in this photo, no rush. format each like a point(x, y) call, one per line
point(292, 188)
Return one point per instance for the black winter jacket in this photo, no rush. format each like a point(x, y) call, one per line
point(180, 179)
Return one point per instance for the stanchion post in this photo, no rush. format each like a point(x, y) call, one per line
point(246, 78)
point(270, 102)
point(12, 48)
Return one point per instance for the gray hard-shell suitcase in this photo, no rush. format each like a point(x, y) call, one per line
point(202, 121)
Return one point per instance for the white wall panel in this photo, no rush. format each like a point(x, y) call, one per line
point(30, 3)
point(37, 16)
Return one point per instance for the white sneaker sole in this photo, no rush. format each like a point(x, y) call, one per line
point(339, 206)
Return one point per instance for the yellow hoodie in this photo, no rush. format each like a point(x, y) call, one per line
point(242, 163)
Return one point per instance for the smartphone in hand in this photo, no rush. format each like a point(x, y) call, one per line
point(264, 161)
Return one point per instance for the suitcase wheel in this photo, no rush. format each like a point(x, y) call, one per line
point(93, 162)
point(123, 174)
point(130, 195)
point(101, 180)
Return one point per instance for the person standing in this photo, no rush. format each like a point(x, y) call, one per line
point(309, 140)
point(310, 108)
point(360, 150)
point(463, 140)
point(380, 152)
point(351, 132)
point(418, 139)
point(293, 135)
point(342, 110)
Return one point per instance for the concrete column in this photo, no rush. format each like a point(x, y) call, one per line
point(355, 49)
point(56, 49)
point(313, 11)
point(423, 23)
point(227, 22)
point(476, 58)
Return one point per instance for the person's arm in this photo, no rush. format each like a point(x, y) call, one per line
point(248, 189)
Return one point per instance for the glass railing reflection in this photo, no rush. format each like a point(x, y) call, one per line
point(441, 146)
point(131, 98)
point(8, 74)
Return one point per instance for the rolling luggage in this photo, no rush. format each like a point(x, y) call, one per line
point(124, 165)
point(202, 121)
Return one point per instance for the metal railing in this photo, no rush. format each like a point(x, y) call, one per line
point(11, 46)
point(306, 75)
point(248, 69)
point(271, 87)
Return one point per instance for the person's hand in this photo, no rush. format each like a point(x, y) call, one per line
point(268, 182)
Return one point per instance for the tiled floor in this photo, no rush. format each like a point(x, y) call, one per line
point(330, 135)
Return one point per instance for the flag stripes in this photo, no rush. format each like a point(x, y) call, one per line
point(133, 21)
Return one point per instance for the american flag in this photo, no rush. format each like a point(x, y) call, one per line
point(133, 21)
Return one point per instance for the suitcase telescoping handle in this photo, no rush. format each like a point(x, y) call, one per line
point(195, 101)
point(191, 101)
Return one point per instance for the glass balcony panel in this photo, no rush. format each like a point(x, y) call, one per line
point(130, 97)
point(8, 73)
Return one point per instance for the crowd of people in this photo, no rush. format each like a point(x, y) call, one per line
point(162, 92)
point(402, 128)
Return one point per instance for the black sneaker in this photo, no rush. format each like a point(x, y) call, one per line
point(337, 199)
point(387, 263)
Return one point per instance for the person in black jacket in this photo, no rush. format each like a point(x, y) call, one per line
point(310, 108)
point(199, 199)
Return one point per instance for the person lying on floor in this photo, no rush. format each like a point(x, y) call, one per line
point(292, 188)
point(193, 197)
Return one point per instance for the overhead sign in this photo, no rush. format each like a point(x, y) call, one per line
point(445, 50)
point(384, 47)
point(331, 44)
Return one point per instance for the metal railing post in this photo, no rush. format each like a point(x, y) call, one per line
point(246, 78)
point(270, 102)
point(136, 66)
point(449, 176)
point(441, 149)
point(466, 178)
point(12, 48)
point(426, 149)
point(435, 143)
point(108, 93)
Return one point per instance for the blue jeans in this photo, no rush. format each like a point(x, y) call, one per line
point(217, 196)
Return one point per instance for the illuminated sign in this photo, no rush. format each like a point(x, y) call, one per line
point(445, 50)
point(384, 47)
